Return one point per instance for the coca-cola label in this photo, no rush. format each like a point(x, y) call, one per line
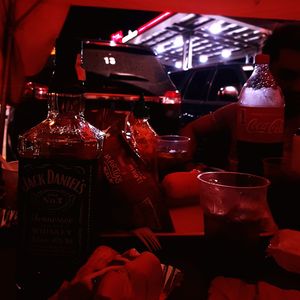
point(260, 124)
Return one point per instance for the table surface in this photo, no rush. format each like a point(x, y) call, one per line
point(199, 256)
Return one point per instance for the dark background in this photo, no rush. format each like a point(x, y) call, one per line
point(93, 23)
point(100, 23)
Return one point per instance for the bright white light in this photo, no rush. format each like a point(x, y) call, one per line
point(160, 49)
point(248, 68)
point(112, 43)
point(215, 28)
point(178, 64)
point(203, 58)
point(230, 88)
point(178, 42)
point(226, 53)
point(109, 60)
point(129, 36)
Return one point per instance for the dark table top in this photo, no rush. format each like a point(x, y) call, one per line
point(200, 257)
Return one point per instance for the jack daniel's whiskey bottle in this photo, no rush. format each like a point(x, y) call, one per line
point(57, 177)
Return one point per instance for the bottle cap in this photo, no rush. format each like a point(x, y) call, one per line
point(262, 59)
point(65, 76)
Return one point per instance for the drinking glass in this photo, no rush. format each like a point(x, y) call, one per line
point(235, 204)
point(10, 177)
point(283, 191)
point(171, 154)
point(8, 203)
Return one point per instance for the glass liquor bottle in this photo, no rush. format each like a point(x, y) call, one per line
point(143, 136)
point(58, 168)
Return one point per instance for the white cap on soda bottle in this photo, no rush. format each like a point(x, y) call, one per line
point(262, 58)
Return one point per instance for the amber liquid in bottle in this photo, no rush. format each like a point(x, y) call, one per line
point(142, 137)
point(58, 170)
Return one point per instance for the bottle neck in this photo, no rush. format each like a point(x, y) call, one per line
point(263, 74)
point(65, 104)
point(262, 67)
point(261, 70)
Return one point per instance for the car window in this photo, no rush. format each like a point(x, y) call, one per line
point(197, 89)
point(224, 77)
point(179, 79)
point(129, 66)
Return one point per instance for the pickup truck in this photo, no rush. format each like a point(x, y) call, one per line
point(204, 89)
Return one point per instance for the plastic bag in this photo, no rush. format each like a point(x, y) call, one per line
point(133, 197)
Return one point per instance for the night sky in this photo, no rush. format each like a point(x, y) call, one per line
point(100, 23)
point(94, 23)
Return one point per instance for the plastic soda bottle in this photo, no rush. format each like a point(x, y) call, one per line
point(260, 118)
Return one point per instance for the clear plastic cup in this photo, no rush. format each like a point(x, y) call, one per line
point(10, 178)
point(171, 154)
point(236, 203)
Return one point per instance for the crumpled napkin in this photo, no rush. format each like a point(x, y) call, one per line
point(110, 275)
point(225, 288)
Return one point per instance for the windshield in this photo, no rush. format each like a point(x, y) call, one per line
point(125, 67)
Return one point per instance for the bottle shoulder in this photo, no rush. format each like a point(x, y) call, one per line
point(62, 128)
point(60, 136)
point(261, 89)
point(261, 78)
point(263, 97)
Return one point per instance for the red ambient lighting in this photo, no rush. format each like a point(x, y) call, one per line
point(117, 37)
point(154, 21)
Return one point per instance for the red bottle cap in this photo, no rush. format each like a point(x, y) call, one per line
point(262, 58)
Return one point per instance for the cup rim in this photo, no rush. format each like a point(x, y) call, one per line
point(14, 163)
point(262, 178)
point(276, 158)
point(173, 138)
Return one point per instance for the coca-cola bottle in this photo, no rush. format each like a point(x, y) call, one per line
point(58, 167)
point(260, 118)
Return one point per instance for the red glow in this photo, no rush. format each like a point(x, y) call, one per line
point(171, 97)
point(154, 21)
point(117, 37)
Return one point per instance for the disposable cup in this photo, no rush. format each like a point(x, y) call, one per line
point(171, 154)
point(235, 204)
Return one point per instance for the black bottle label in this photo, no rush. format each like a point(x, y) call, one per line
point(56, 206)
